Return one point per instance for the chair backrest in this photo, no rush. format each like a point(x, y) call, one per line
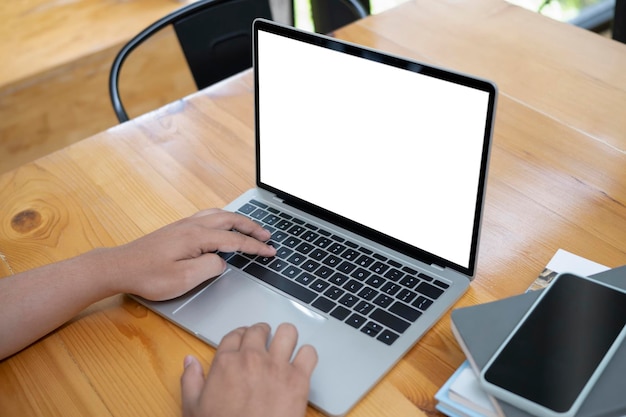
point(215, 36)
point(619, 21)
point(329, 15)
point(217, 40)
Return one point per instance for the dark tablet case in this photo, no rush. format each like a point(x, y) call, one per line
point(482, 328)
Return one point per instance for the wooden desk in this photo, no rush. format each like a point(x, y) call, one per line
point(56, 57)
point(557, 180)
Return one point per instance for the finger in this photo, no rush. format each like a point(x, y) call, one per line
point(306, 359)
point(255, 337)
point(191, 384)
point(226, 241)
point(284, 342)
point(227, 221)
point(231, 341)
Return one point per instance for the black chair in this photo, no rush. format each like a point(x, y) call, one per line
point(215, 36)
point(619, 21)
point(329, 15)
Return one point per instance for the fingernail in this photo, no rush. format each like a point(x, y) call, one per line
point(188, 361)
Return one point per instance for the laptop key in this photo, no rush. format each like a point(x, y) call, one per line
point(348, 300)
point(353, 286)
point(247, 208)
point(334, 292)
point(338, 278)
point(324, 272)
point(309, 236)
point(441, 284)
point(425, 277)
point(318, 254)
point(284, 252)
point(278, 264)
point(346, 267)
point(379, 267)
point(297, 230)
point(296, 259)
point(264, 260)
point(375, 281)
point(226, 255)
point(281, 283)
point(350, 255)
point(271, 219)
point(279, 236)
point(291, 241)
point(372, 329)
point(406, 295)
point(368, 293)
point(291, 271)
point(364, 307)
point(364, 261)
point(324, 304)
point(259, 214)
point(304, 248)
point(332, 261)
point(389, 320)
point(409, 281)
point(390, 288)
point(429, 290)
point(383, 300)
point(387, 337)
point(284, 225)
point(340, 313)
point(394, 275)
point(356, 320)
point(238, 261)
point(405, 311)
point(323, 242)
point(336, 248)
point(310, 265)
point(422, 303)
point(360, 274)
point(319, 285)
point(258, 203)
point(305, 279)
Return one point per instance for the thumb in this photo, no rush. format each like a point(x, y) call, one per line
point(191, 383)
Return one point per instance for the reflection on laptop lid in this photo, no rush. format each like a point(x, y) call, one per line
point(371, 175)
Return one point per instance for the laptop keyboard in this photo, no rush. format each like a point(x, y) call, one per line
point(353, 284)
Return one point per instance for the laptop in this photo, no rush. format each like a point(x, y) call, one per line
point(371, 173)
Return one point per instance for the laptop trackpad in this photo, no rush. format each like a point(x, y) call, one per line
point(234, 300)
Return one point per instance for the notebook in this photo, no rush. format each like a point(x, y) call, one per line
point(371, 173)
point(481, 329)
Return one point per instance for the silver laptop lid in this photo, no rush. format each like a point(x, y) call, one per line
point(389, 148)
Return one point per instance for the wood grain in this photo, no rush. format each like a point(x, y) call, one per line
point(557, 179)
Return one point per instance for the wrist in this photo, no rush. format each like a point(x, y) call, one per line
point(98, 270)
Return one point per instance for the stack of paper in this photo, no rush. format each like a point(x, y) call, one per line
point(481, 329)
point(462, 396)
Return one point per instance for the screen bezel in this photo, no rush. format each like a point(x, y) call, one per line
point(402, 63)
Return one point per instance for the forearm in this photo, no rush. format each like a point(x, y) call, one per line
point(38, 301)
point(159, 266)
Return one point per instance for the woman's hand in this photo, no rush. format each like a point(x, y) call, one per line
point(249, 379)
point(176, 258)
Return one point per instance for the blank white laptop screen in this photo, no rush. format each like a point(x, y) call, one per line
point(396, 151)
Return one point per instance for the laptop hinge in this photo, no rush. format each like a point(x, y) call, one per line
point(440, 268)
